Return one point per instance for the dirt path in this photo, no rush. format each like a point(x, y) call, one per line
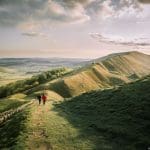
point(38, 138)
point(48, 130)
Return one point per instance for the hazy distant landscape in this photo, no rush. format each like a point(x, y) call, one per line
point(93, 104)
point(13, 69)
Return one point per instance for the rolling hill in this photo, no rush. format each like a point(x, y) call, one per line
point(101, 73)
point(113, 118)
point(107, 72)
point(13, 69)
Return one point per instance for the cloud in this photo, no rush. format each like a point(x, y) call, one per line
point(65, 13)
point(15, 12)
point(34, 34)
point(120, 40)
point(115, 9)
point(144, 1)
point(31, 34)
point(57, 12)
point(105, 10)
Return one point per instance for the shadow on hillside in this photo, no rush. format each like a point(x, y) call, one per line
point(112, 119)
point(11, 129)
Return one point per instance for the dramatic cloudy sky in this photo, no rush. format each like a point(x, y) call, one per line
point(73, 28)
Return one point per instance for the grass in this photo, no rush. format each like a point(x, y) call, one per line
point(11, 131)
point(46, 128)
point(18, 96)
point(6, 104)
point(112, 119)
point(114, 71)
point(92, 78)
point(100, 120)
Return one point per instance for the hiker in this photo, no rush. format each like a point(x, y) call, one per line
point(39, 99)
point(44, 98)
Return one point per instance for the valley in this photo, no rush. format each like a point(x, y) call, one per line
point(14, 69)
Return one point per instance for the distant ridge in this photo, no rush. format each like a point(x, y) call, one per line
point(113, 71)
point(105, 72)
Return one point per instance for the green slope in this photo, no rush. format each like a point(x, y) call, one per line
point(119, 117)
point(115, 119)
point(33, 82)
point(103, 73)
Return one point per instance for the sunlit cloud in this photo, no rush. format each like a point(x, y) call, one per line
point(118, 40)
point(69, 21)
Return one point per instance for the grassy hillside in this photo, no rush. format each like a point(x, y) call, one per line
point(103, 73)
point(108, 72)
point(7, 104)
point(112, 119)
point(11, 131)
point(129, 63)
point(23, 85)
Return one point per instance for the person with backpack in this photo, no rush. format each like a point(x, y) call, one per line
point(44, 98)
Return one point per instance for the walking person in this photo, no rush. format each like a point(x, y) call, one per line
point(39, 99)
point(44, 98)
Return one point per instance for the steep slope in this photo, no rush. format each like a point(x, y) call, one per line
point(102, 73)
point(120, 116)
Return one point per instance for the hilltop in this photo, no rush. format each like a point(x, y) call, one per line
point(106, 72)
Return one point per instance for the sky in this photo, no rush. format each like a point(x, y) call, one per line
point(73, 28)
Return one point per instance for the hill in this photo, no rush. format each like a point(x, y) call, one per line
point(112, 119)
point(107, 72)
point(115, 119)
point(33, 82)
